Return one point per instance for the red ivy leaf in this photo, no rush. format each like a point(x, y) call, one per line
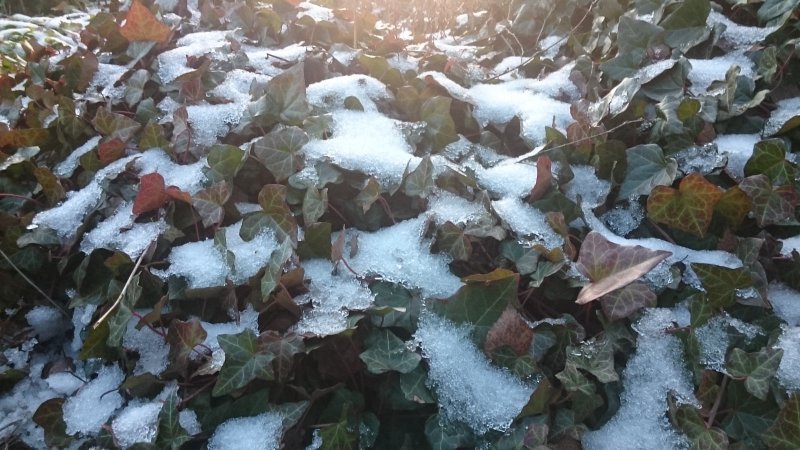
point(110, 151)
point(610, 266)
point(511, 330)
point(151, 194)
point(688, 208)
point(142, 25)
point(175, 193)
point(544, 178)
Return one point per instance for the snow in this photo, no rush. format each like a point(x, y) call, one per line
point(586, 185)
point(64, 383)
point(120, 232)
point(705, 71)
point(790, 244)
point(152, 348)
point(507, 179)
point(399, 254)
point(95, 402)
point(247, 320)
point(188, 420)
point(67, 167)
point(81, 317)
point(655, 370)
point(785, 111)
point(738, 148)
point(136, 423)
point(715, 338)
point(18, 406)
point(446, 206)
point(469, 388)
point(332, 297)
point(104, 81)
point(173, 63)
point(785, 303)
point(204, 265)
point(525, 220)
point(367, 142)
point(47, 322)
point(266, 61)
point(318, 13)
point(789, 370)
point(330, 94)
point(739, 35)
point(624, 219)
point(262, 432)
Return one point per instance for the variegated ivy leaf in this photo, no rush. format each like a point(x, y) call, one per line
point(771, 205)
point(688, 208)
point(278, 151)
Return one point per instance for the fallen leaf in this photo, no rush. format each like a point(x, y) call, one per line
point(142, 25)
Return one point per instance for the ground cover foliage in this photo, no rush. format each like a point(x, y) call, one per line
point(338, 225)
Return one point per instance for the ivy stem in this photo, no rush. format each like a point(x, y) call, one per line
point(714, 409)
point(124, 289)
point(28, 280)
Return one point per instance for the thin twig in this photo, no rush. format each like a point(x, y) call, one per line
point(41, 292)
point(124, 289)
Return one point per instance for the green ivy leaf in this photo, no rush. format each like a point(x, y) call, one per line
point(451, 238)
point(272, 274)
point(647, 168)
point(419, 183)
point(378, 67)
point(447, 437)
point(386, 352)
point(624, 302)
point(278, 151)
point(285, 99)
point(316, 242)
point(210, 203)
point(480, 301)
point(246, 359)
point(339, 436)
point(688, 208)
point(785, 433)
point(441, 128)
point(769, 158)
point(153, 137)
point(721, 283)
point(733, 206)
point(748, 416)
point(224, 161)
point(689, 420)
point(118, 322)
point(596, 358)
point(414, 386)
point(114, 126)
point(574, 381)
point(135, 87)
point(95, 345)
point(283, 348)
point(771, 205)
point(756, 368)
point(369, 194)
point(171, 434)
point(275, 214)
point(315, 204)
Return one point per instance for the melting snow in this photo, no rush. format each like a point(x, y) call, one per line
point(469, 387)
point(66, 167)
point(94, 403)
point(705, 71)
point(330, 94)
point(262, 432)
point(173, 63)
point(739, 35)
point(655, 370)
point(136, 423)
point(789, 369)
point(738, 148)
point(787, 109)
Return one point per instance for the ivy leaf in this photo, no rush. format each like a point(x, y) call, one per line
point(278, 151)
point(79, 69)
point(245, 360)
point(386, 352)
point(441, 128)
point(688, 208)
point(110, 150)
point(624, 302)
point(721, 283)
point(785, 433)
point(210, 203)
point(283, 348)
point(272, 274)
point(689, 420)
point(451, 239)
point(480, 301)
point(756, 368)
point(574, 381)
point(141, 25)
point(171, 434)
point(510, 330)
point(114, 125)
point(686, 22)
point(748, 416)
point(339, 436)
point(771, 205)
point(153, 137)
point(50, 416)
point(151, 193)
point(118, 322)
point(419, 183)
point(610, 266)
point(733, 206)
point(315, 204)
point(769, 158)
point(224, 161)
point(95, 345)
point(50, 185)
point(181, 132)
point(275, 214)
point(414, 386)
point(596, 358)
point(369, 194)
point(316, 242)
point(182, 338)
point(647, 168)
point(443, 435)
point(285, 98)
point(24, 137)
point(135, 87)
